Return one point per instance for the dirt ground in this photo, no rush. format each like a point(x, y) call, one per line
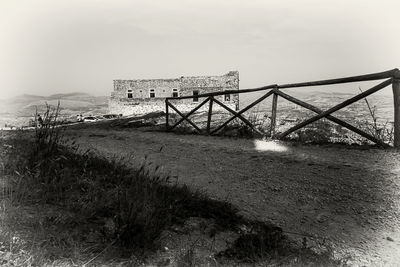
point(349, 196)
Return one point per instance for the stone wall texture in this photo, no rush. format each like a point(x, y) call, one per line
point(132, 97)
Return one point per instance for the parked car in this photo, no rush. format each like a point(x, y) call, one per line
point(79, 118)
point(110, 116)
point(99, 117)
point(90, 119)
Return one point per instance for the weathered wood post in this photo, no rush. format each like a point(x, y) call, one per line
point(396, 101)
point(166, 115)
point(209, 114)
point(273, 115)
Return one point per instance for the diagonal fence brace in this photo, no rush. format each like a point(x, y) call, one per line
point(337, 107)
point(236, 114)
point(186, 117)
point(239, 113)
point(332, 118)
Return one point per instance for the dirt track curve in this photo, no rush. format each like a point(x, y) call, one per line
point(350, 196)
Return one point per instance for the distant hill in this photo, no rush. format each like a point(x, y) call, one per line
point(24, 105)
point(71, 104)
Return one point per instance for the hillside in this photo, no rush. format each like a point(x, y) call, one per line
point(19, 109)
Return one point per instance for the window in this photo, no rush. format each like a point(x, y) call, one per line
point(174, 92)
point(227, 97)
point(129, 93)
point(195, 96)
point(152, 93)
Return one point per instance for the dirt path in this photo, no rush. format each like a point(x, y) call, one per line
point(349, 196)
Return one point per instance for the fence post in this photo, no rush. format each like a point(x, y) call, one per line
point(166, 115)
point(396, 100)
point(273, 115)
point(209, 114)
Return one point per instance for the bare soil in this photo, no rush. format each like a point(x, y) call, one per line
point(347, 196)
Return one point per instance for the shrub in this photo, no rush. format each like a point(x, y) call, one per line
point(318, 132)
point(257, 244)
point(238, 128)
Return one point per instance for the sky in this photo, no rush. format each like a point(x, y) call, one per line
point(51, 46)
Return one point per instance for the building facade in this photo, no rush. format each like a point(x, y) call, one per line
point(138, 97)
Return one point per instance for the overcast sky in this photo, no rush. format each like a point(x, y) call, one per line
point(50, 46)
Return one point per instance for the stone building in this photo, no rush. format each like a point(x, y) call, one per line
point(145, 96)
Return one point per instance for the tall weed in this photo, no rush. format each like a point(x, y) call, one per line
point(381, 131)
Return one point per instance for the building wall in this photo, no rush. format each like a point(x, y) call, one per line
point(141, 88)
point(141, 103)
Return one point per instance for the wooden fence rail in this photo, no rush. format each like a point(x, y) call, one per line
point(392, 77)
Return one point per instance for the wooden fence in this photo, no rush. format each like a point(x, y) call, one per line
point(391, 77)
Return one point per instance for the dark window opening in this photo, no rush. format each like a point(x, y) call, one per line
point(174, 92)
point(152, 93)
point(195, 96)
point(130, 94)
point(227, 97)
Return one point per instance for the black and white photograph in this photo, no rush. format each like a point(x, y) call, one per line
point(188, 133)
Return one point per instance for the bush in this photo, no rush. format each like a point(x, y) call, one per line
point(257, 244)
point(238, 128)
point(318, 132)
